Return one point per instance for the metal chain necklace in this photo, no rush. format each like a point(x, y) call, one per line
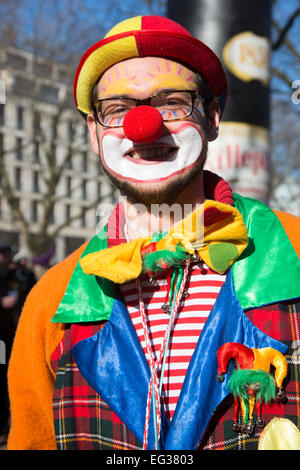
point(155, 385)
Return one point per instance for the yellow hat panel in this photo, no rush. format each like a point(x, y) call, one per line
point(97, 63)
point(131, 24)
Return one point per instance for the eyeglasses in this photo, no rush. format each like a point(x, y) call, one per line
point(173, 105)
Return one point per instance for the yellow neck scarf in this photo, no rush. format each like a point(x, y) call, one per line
point(215, 231)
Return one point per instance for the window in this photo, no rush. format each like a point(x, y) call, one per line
point(20, 116)
point(2, 92)
point(83, 187)
point(1, 144)
point(51, 218)
point(69, 186)
point(16, 205)
point(24, 87)
point(67, 212)
point(49, 94)
point(19, 151)
point(36, 152)
point(18, 176)
point(83, 217)
point(2, 115)
point(53, 153)
point(84, 162)
point(37, 122)
point(17, 61)
point(35, 182)
point(63, 75)
point(72, 243)
point(68, 159)
point(85, 133)
point(71, 130)
point(54, 124)
point(98, 195)
point(34, 211)
point(42, 69)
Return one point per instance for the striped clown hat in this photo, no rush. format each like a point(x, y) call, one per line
point(144, 36)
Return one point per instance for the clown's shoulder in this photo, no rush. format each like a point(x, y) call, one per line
point(291, 225)
point(257, 212)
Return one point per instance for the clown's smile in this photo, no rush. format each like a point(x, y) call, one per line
point(171, 154)
point(148, 154)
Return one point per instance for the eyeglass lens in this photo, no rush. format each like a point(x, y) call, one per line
point(172, 106)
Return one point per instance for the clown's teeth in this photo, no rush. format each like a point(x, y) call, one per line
point(149, 153)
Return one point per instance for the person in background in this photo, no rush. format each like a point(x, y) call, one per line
point(24, 278)
point(9, 297)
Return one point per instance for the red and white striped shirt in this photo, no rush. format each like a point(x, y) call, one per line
point(203, 286)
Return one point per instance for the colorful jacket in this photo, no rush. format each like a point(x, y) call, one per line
point(257, 306)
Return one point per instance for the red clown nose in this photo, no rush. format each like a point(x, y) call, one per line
point(143, 124)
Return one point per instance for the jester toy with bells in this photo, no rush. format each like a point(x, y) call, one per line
point(117, 345)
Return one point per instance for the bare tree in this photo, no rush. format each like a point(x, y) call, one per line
point(46, 131)
point(285, 112)
point(47, 43)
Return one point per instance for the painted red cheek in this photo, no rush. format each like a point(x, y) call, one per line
point(143, 124)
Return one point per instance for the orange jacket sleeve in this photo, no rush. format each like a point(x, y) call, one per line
point(291, 225)
point(30, 377)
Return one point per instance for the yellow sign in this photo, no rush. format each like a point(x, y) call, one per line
point(247, 56)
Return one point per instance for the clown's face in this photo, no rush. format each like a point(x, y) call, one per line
point(158, 171)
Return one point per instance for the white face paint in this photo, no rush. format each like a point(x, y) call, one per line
point(117, 150)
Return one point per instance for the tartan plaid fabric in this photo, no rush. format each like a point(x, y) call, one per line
point(83, 421)
point(282, 322)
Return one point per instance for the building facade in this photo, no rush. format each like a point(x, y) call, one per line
point(44, 147)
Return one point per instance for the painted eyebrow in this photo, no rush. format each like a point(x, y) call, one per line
point(156, 92)
point(169, 90)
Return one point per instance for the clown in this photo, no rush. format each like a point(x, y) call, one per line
point(117, 345)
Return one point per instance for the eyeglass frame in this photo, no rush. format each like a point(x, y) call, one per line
point(140, 102)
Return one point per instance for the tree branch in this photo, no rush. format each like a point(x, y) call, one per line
point(288, 43)
point(280, 74)
point(9, 195)
point(285, 30)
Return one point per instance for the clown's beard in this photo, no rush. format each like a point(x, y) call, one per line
point(167, 191)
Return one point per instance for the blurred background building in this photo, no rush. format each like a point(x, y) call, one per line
point(54, 182)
